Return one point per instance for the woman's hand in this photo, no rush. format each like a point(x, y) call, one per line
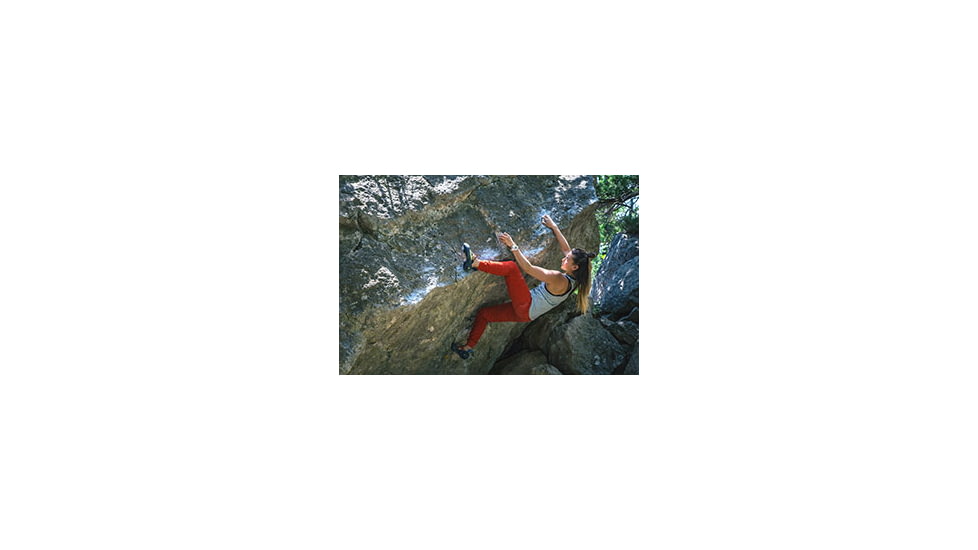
point(549, 223)
point(506, 239)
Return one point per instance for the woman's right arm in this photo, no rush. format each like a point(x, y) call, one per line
point(557, 234)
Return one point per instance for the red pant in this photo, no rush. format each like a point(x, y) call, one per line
point(518, 310)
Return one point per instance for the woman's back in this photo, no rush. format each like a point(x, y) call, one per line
point(542, 300)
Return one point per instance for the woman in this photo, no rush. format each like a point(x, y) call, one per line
point(526, 305)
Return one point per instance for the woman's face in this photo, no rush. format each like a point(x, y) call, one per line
point(567, 264)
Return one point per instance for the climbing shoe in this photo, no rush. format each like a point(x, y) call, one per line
point(463, 353)
point(467, 264)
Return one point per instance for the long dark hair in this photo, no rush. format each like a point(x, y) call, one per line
point(582, 259)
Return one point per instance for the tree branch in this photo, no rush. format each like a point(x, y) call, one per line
point(617, 202)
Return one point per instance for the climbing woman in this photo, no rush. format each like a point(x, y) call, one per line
point(527, 305)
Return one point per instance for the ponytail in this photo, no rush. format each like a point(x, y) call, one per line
point(582, 275)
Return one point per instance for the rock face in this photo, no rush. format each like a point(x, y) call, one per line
point(583, 346)
point(539, 334)
point(615, 289)
point(632, 366)
point(403, 297)
point(625, 331)
point(526, 362)
point(615, 295)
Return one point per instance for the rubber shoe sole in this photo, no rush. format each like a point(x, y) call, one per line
point(467, 264)
point(463, 353)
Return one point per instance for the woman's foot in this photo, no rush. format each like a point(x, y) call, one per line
point(471, 262)
point(465, 352)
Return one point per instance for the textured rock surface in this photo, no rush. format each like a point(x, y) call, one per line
point(403, 299)
point(615, 295)
point(632, 366)
point(584, 346)
point(538, 334)
point(633, 316)
point(615, 291)
point(526, 362)
point(624, 331)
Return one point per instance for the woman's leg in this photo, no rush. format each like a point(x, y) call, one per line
point(491, 314)
point(519, 293)
point(516, 311)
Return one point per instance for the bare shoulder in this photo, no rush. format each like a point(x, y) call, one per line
point(555, 280)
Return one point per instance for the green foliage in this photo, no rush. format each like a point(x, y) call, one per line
point(618, 212)
point(615, 187)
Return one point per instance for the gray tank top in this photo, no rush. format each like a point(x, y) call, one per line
point(543, 301)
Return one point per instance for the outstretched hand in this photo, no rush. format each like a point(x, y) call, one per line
point(506, 239)
point(548, 222)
